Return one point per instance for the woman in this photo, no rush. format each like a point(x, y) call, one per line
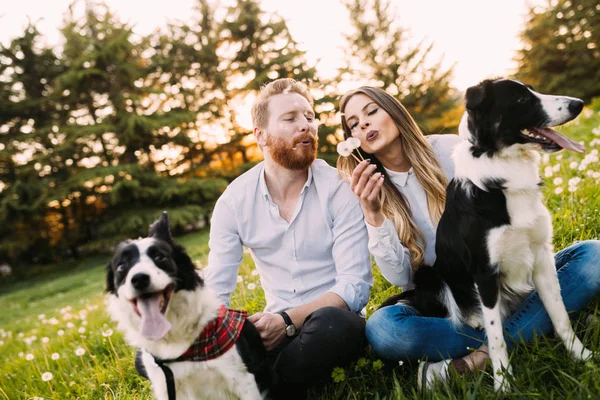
point(401, 187)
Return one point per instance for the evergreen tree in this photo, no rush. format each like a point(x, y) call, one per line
point(380, 55)
point(560, 52)
point(28, 113)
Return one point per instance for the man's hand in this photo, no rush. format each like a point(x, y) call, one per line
point(271, 328)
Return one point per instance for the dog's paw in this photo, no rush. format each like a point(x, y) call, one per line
point(475, 321)
point(586, 355)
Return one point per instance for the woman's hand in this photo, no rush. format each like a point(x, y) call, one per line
point(366, 185)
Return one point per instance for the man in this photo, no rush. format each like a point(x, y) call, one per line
point(306, 233)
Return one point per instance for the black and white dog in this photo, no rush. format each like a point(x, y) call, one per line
point(189, 345)
point(494, 240)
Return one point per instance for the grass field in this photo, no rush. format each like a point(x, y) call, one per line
point(57, 342)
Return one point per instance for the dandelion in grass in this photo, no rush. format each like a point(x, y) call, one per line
point(29, 357)
point(70, 325)
point(60, 332)
point(45, 339)
point(82, 330)
point(107, 333)
point(573, 165)
point(251, 286)
point(254, 272)
point(79, 352)
point(558, 190)
point(55, 356)
point(557, 181)
point(47, 376)
point(42, 316)
point(240, 279)
point(548, 172)
point(1, 342)
point(400, 363)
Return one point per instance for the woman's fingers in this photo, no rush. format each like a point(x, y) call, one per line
point(370, 185)
point(357, 173)
point(374, 195)
point(364, 179)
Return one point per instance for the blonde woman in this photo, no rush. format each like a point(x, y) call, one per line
point(401, 187)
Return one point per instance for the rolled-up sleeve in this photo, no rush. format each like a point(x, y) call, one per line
point(392, 258)
point(226, 251)
point(351, 253)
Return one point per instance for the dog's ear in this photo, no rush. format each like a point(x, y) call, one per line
point(160, 229)
point(110, 279)
point(478, 96)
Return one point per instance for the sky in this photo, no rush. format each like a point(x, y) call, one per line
point(480, 37)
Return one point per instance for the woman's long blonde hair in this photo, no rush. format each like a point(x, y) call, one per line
point(423, 161)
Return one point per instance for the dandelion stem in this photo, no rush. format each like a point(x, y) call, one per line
point(356, 158)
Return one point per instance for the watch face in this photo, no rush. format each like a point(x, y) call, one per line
point(290, 330)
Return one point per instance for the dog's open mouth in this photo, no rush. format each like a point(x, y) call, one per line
point(551, 140)
point(151, 307)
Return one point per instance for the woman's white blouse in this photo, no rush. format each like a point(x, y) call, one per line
point(392, 258)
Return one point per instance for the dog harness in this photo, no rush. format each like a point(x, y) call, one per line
point(216, 338)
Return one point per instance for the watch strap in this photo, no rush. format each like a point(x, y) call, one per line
point(286, 318)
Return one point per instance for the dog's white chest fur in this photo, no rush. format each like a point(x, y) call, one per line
point(223, 378)
point(513, 248)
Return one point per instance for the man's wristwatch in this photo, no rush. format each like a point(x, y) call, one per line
point(290, 328)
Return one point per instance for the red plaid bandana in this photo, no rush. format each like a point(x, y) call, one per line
point(217, 337)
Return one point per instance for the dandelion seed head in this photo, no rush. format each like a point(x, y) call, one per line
point(79, 352)
point(60, 332)
point(251, 286)
point(81, 330)
point(45, 339)
point(29, 357)
point(47, 376)
point(55, 356)
point(107, 333)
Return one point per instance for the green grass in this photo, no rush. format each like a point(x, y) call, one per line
point(63, 313)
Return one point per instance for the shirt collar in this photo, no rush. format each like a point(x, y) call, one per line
point(262, 182)
point(399, 178)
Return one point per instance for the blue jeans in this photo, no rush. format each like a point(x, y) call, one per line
point(398, 333)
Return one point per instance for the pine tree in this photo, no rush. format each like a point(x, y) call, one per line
point(28, 112)
point(379, 54)
point(561, 51)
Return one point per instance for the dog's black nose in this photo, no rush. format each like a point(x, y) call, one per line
point(140, 281)
point(575, 106)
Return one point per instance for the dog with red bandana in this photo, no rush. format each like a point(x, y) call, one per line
point(189, 345)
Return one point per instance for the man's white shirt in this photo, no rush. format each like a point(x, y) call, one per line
point(322, 249)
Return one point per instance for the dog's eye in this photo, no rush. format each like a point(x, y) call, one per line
point(523, 100)
point(159, 258)
point(121, 267)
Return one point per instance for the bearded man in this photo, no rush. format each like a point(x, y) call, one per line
point(306, 234)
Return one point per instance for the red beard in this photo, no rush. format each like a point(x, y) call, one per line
point(293, 155)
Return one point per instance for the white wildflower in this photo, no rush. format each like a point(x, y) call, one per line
point(558, 190)
point(251, 286)
point(60, 332)
point(55, 356)
point(45, 339)
point(107, 333)
point(29, 357)
point(240, 279)
point(557, 181)
point(47, 376)
point(254, 272)
point(79, 352)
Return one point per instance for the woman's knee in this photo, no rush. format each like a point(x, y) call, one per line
point(586, 255)
point(389, 334)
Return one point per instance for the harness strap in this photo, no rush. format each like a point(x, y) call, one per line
point(170, 380)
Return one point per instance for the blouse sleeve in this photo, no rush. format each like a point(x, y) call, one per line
point(392, 258)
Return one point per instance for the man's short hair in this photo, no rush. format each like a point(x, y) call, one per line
point(260, 108)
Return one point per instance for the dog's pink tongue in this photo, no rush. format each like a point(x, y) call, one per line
point(154, 324)
point(560, 140)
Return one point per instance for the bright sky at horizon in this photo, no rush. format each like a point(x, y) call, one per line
point(479, 36)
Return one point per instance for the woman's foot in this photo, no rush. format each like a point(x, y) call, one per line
point(429, 373)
